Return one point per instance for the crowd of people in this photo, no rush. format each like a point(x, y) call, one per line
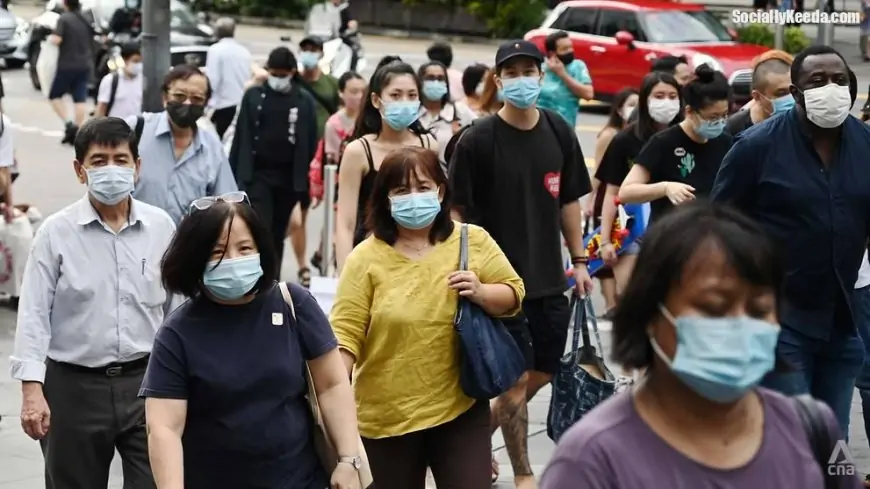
point(200, 370)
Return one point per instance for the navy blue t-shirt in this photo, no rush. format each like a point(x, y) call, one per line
point(242, 371)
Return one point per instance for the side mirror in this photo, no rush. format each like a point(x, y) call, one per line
point(624, 38)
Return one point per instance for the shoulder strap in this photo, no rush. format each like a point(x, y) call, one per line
point(116, 78)
point(563, 143)
point(285, 292)
point(329, 105)
point(463, 247)
point(368, 150)
point(140, 126)
point(818, 434)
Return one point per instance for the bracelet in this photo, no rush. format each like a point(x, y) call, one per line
point(579, 260)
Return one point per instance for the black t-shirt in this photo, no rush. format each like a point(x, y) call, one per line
point(241, 370)
point(672, 156)
point(76, 34)
point(514, 183)
point(619, 157)
point(738, 122)
point(274, 148)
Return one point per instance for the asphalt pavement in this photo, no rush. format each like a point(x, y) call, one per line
point(48, 181)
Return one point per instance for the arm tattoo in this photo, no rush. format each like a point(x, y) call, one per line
point(513, 417)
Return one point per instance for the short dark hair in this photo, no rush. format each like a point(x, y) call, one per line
point(551, 40)
point(709, 86)
point(190, 251)
point(442, 52)
point(130, 49)
point(668, 64)
point(472, 76)
point(346, 77)
point(645, 126)
point(104, 131)
point(281, 58)
point(73, 4)
point(668, 246)
point(185, 72)
point(398, 168)
point(815, 50)
point(763, 70)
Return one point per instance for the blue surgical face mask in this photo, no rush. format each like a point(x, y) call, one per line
point(415, 211)
point(309, 59)
point(521, 92)
point(279, 84)
point(710, 129)
point(434, 89)
point(111, 184)
point(783, 104)
point(721, 358)
point(401, 114)
point(232, 278)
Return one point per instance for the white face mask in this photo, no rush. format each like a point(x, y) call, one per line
point(828, 106)
point(626, 112)
point(663, 110)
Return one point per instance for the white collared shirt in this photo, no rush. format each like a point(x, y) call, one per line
point(441, 125)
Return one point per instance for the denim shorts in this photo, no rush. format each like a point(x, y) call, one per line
point(73, 82)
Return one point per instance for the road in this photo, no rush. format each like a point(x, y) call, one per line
point(48, 181)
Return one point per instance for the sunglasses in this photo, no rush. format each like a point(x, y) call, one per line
point(204, 203)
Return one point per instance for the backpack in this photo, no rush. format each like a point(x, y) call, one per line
point(140, 125)
point(116, 78)
point(565, 144)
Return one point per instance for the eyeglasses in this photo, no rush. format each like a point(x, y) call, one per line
point(204, 203)
point(181, 97)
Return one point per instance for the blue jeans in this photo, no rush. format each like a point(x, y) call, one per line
point(861, 305)
point(825, 369)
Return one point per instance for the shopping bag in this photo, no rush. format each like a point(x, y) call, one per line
point(16, 238)
point(323, 290)
point(490, 361)
point(583, 380)
point(46, 66)
point(325, 451)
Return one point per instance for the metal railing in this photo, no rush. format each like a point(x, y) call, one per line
point(330, 175)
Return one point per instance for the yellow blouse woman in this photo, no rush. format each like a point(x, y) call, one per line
point(393, 316)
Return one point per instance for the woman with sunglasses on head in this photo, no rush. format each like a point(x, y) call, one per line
point(700, 316)
point(680, 163)
point(393, 315)
point(388, 121)
point(226, 383)
point(442, 117)
point(658, 107)
point(624, 104)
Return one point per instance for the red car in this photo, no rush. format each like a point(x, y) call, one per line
point(618, 40)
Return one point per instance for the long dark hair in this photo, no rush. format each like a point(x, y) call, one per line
point(646, 126)
point(421, 72)
point(369, 120)
point(615, 119)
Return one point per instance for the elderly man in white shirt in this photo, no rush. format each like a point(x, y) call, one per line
point(228, 66)
point(91, 304)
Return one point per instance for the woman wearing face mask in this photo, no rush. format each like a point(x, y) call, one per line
point(623, 105)
point(472, 85)
point(351, 88)
point(438, 114)
point(274, 143)
point(226, 383)
point(700, 314)
point(680, 163)
point(393, 316)
point(388, 121)
point(658, 106)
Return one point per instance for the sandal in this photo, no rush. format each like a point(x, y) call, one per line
point(494, 470)
point(316, 260)
point(304, 277)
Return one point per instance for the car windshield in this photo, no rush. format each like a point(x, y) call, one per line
point(181, 16)
point(674, 26)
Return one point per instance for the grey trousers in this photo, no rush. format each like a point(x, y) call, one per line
point(92, 414)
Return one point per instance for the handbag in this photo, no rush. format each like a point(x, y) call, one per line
point(583, 380)
point(325, 450)
point(490, 361)
point(821, 441)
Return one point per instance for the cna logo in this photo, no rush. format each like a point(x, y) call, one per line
point(840, 461)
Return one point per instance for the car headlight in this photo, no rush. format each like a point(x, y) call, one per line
point(700, 59)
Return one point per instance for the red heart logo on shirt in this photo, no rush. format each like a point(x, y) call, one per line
point(551, 182)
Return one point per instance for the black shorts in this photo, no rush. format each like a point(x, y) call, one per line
point(541, 331)
point(70, 81)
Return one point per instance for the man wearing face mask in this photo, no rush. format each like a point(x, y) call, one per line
point(800, 176)
point(275, 141)
point(127, 19)
point(771, 79)
point(520, 175)
point(182, 163)
point(120, 93)
point(91, 305)
point(566, 80)
point(323, 87)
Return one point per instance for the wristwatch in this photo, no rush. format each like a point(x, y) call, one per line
point(355, 462)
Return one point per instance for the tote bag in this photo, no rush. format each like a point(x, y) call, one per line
point(490, 361)
point(583, 380)
point(46, 66)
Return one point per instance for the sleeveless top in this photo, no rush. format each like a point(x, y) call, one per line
point(365, 190)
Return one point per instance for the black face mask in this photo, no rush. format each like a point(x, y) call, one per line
point(566, 58)
point(184, 115)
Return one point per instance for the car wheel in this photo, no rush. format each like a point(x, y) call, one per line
point(14, 64)
point(34, 78)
